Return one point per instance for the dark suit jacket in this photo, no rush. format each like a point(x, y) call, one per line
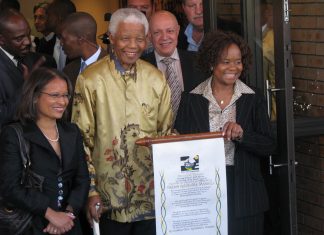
point(182, 39)
point(72, 69)
point(11, 81)
point(46, 47)
point(31, 58)
point(257, 143)
point(190, 73)
point(72, 168)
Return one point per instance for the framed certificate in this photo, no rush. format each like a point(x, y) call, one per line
point(190, 187)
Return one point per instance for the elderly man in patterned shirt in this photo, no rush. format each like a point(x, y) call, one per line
point(118, 100)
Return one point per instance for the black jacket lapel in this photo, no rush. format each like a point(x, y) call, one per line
point(68, 143)
point(243, 108)
point(33, 134)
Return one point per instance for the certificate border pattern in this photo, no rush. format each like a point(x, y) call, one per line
point(218, 202)
point(164, 226)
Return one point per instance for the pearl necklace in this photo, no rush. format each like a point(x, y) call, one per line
point(52, 140)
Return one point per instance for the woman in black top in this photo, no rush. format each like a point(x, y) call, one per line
point(56, 152)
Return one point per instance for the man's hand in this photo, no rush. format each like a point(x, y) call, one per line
point(26, 72)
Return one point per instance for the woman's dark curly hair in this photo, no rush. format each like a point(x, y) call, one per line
point(213, 46)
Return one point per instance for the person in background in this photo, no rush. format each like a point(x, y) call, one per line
point(268, 51)
point(78, 39)
point(46, 43)
point(57, 11)
point(56, 153)
point(16, 61)
point(148, 8)
point(163, 33)
point(192, 36)
point(224, 103)
point(79, 43)
point(145, 6)
point(118, 100)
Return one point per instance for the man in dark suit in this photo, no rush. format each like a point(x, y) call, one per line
point(46, 43)
point(164, 31)
point(16, 61)
point(78, 39)
point(57, 11)
point(191, 36)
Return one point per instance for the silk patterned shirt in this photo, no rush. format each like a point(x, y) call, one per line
point(113, 109)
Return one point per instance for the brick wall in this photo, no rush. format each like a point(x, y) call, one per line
point(307, 34)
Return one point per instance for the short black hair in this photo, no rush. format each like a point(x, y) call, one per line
point(27, 108)
point(81, 24)
point(5, 16)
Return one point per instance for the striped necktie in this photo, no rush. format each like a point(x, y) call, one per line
point(174, 85)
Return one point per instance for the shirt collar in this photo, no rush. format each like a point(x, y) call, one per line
point(188, 32)
point(92, 58)
point(204, 88)
point(120, 69)
point(11, 57)
point(49, 36)
point(175, 56)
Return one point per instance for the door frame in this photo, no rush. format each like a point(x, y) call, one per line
point(285, 116)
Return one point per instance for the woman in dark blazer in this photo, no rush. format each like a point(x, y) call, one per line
point(56, 152)
point(224, 103)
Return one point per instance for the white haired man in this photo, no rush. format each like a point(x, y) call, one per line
point(122, 98)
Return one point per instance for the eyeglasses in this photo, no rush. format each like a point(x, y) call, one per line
point(56, 96)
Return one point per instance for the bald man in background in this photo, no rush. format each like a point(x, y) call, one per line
point(163, 33)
